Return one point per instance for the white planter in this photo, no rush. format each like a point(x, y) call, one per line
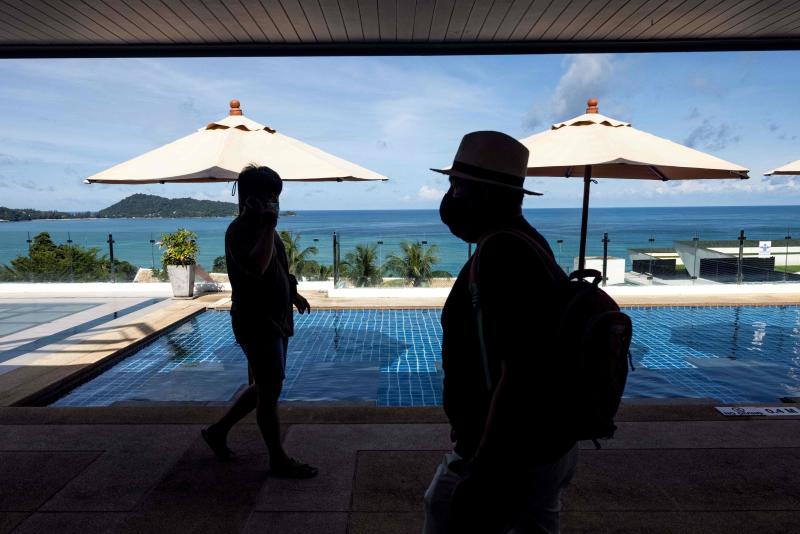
point(182, 279)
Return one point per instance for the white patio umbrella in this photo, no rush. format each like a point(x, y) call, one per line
point(219, 151)
point(790, 169)
point(595, 146)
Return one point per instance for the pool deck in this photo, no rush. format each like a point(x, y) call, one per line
point(671, 468)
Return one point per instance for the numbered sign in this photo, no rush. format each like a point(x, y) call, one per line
point(769, 411)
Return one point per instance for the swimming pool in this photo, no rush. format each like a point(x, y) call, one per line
point(392, 358)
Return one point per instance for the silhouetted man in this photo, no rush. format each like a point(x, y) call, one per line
point(510, 458)
point(263, 293)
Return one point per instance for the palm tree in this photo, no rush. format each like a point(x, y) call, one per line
point(414, 264)
point(297, 258)
point(360, 266)
point(317, 271)
point(324, 272)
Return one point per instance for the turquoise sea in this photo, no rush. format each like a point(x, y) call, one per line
point(626, 227)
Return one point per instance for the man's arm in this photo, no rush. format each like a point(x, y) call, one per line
point(497, 439)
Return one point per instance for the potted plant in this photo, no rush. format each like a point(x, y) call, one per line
point(180, 256)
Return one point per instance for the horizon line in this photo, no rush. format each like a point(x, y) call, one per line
point(568, 207)
point(297, 210)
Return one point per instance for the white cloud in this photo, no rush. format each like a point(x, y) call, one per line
point(693, 114)
point(755, 185)
point(587, 76)
point(413, 107)
point(430, 193)
point(154, 77)
point(222, 194)
point(702, 83)
point(712, 135)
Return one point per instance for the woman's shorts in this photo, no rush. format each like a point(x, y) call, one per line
point(267, 358)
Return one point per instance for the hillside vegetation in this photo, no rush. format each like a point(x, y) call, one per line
point(11, 214)
point(141, 205)
point(136, 206)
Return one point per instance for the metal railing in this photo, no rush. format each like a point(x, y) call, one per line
point(352, 260)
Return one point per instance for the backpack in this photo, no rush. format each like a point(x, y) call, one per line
point(594, 339)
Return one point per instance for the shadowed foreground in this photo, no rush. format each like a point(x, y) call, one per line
point(678, 468)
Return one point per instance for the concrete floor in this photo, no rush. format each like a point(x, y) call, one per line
point(678, 468)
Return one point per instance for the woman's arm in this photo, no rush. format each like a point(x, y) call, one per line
point(254, 247)
point(262, 252)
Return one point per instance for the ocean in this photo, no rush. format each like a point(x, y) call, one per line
point(626, 227)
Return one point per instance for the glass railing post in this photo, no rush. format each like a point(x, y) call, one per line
point(152, 252)
point(335, 253)
point(380, 257)
point(786, 257)
point(316, 246)
point(29, 241)
point(560, 243)
point(70, 259)
point(605, 258)
point(739, 273)
point(113, 272)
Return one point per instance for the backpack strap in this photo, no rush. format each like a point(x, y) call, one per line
point(476, 306)
point(474, 289)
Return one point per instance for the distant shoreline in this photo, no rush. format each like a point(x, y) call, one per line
point(292, 213)
point(121, 218)
point(297, 212)
point(57, 219)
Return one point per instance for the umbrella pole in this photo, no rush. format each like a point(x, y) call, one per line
point(587, 181)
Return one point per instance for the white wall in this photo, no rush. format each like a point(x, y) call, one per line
point(615, 268)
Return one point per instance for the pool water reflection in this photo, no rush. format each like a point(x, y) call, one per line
point(392, 358)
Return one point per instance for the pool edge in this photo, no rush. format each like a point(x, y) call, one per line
point(36, 384)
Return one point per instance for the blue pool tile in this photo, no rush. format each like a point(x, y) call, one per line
point(393, 358)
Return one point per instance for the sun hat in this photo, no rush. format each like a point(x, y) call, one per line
point(492, 158)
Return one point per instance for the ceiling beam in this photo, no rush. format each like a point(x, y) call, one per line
point(395, 48)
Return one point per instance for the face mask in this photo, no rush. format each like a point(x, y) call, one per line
point(461, 215)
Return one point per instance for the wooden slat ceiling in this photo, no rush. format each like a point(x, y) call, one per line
point(94, 28)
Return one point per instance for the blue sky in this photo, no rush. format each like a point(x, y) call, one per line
point(63, 120)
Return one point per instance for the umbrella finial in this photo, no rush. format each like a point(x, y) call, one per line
point(592, 105)
point(235, 108)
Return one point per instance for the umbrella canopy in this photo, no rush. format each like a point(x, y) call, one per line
point(595, 146)
point(219, 151)
point(790, 169)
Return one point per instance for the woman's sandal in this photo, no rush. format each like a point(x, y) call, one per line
point(220, 448)
point(291, 468)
